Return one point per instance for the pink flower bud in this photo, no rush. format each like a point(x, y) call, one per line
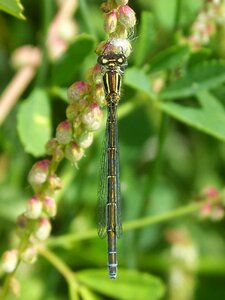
point(29, 255)
point(43, 229)
point(49, 206)
point(110, 22)
point(94, 74)
point(99, 94)
point(54, 149)
point(77, 123)
point(51, 146)
point(9, 261)
point(55, 183)
point(73, 152)
point(205, 210)
point(34, 208)
point(126, 16)
point(39, 174)
point(71, 111)
point(64, 132)
point(217, 213)
point(100, 47)
point(85, 140)
point(78, 90)
point(211, 192)
point(92, 117)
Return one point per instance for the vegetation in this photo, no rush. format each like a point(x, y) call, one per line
point(171, 134)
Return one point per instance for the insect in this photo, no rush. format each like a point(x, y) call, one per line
point(109, 221)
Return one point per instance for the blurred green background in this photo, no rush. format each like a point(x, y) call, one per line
point(168, 154)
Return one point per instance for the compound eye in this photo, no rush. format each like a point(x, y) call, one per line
point(121, 60)
point(102, 60)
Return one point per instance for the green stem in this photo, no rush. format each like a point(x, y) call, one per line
point(177, 15)
point(70, 239)
point(47, 12)
point(153, 176)
point(86, 14)
point(63, 269)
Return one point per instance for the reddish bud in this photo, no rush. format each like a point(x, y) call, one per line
point(49, 206)
point(78, 90)
point(85, 140)
point(9, 261)
point(211, 192)
point(34, 208)
point(51, 146)
point(126, 16)
point(29, 255)
point(217, 213)
point(43, 229)
point(64, 132)
point(39, 174)
point(99, 94)
point(94, 74)
point(73, 152)
point(205, 210)
point(110, 22)
point(92, 117)
point(55, 183)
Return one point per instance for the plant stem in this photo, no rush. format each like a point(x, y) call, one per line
point(85, 11)
point(47, 16)
point(63, 269)
point(177, 15)
point(66, 241)
point(153, 176)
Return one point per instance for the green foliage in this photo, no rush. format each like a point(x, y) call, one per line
point(171, 135)
point(210, 118)
point(12, 7)
point(132, 285)
point(34, 124)
point(66, 67)
point(206, 75)
point(169, 59)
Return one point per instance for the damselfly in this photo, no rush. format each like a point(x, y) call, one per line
point(112, 68)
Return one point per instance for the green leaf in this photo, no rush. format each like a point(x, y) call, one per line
point(198, 57)
point(204, 76)
point(34, 124)
point(210, 103)
point(209, 119)
point(169, 58)
point(138, 80)
point(66, 67)
point(130, 285)
point(13, 7)
point(145, 40)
